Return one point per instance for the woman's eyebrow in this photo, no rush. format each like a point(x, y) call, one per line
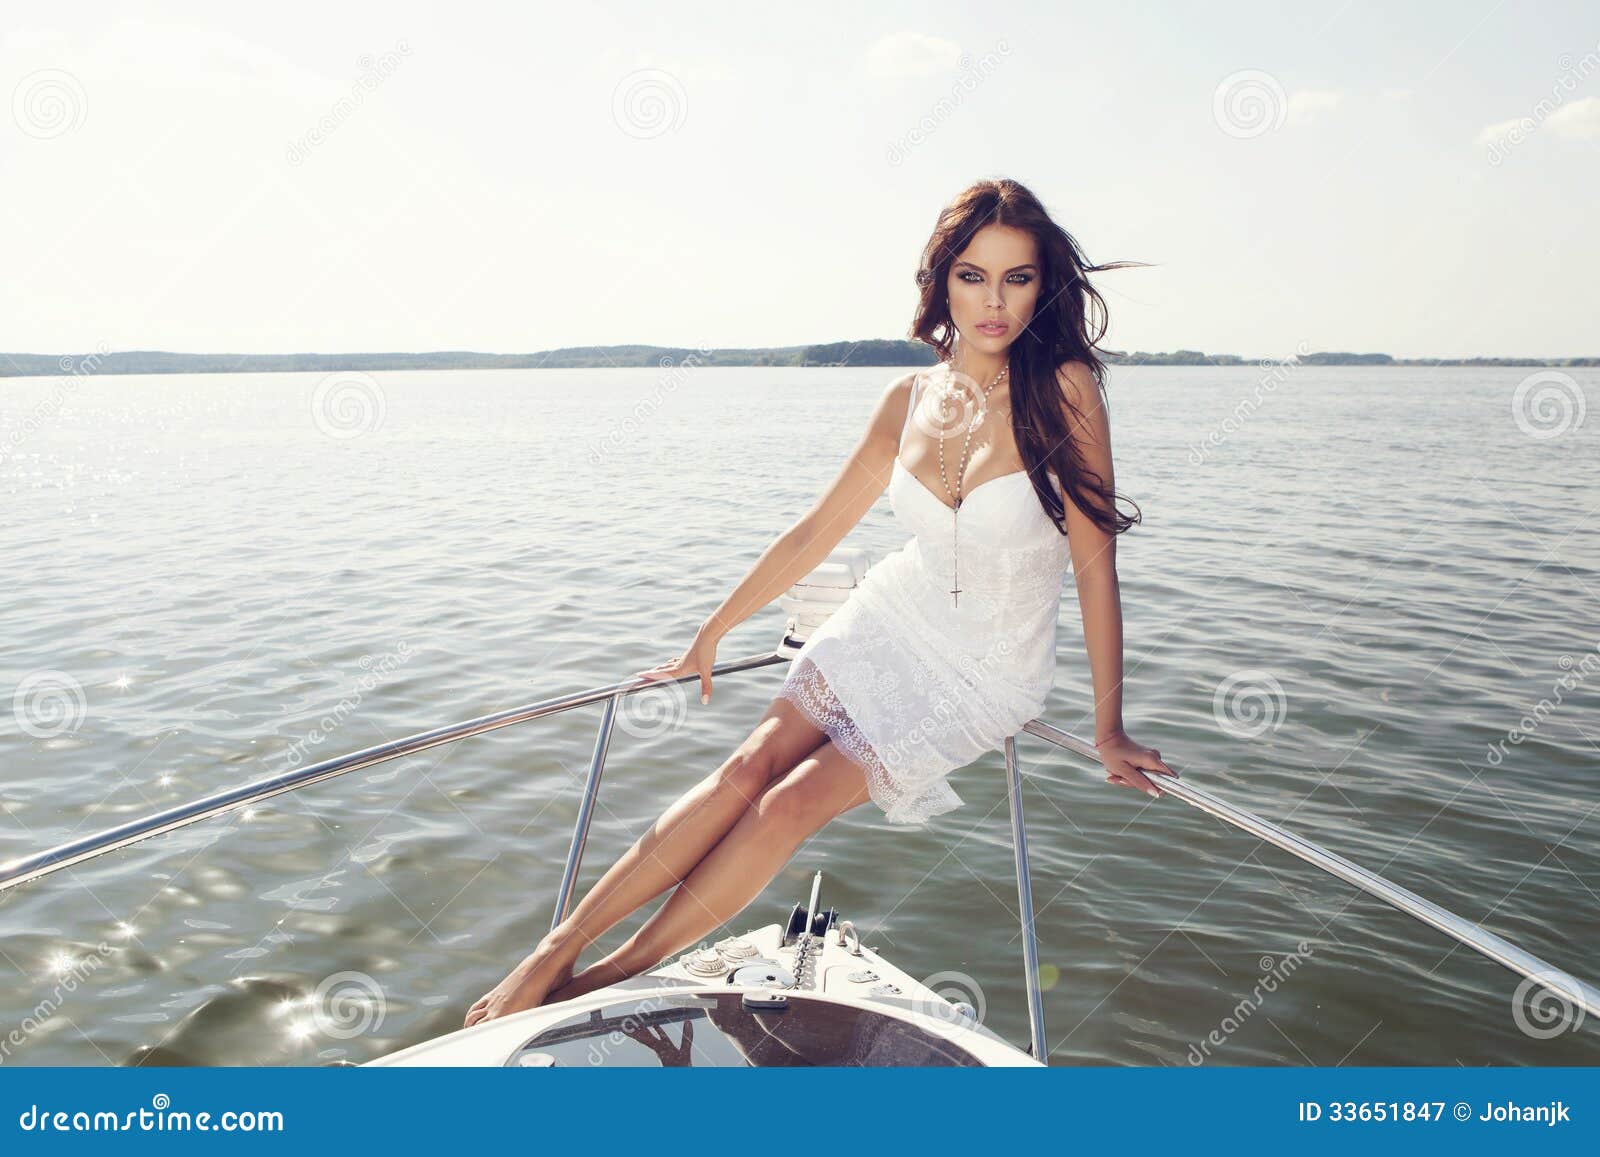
point(980, 269)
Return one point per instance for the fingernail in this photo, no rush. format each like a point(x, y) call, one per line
point(705, 699)
point(1153, 794)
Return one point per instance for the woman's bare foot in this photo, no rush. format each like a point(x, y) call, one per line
point(526, 986)
point(597, 975)
point(622, 964)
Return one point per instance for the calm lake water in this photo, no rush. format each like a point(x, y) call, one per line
point(1352, 591)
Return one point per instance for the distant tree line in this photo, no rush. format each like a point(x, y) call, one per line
point(871, 352)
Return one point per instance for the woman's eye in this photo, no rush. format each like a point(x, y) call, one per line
point(970, 277)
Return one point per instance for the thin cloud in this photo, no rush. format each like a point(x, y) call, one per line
point(1306, 103)
point(907, 53)
point(1498, 131)
point(1579, 120)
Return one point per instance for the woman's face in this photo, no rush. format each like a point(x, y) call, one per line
point(994, 287)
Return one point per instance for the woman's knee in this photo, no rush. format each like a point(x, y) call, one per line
point(774, 748)
point(812, 794)
point(744, 774)
point(752, 766)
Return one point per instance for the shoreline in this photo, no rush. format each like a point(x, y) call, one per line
point(840, 354)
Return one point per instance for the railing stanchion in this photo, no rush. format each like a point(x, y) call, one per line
point(580, 829)
point(1030, 946)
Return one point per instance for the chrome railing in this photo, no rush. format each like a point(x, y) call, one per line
point(31, 867)
point(37, 865)
point(1480, 939)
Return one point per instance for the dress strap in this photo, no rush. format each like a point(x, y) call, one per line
point(911, 408)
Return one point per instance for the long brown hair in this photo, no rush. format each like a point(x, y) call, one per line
point(1067, 325)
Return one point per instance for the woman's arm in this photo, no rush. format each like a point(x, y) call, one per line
point(1094, 551)
point(806, 544)
point(1094, 569)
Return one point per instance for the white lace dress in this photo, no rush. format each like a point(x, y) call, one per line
point(911, 683)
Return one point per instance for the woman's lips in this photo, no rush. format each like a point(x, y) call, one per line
point(992, 328)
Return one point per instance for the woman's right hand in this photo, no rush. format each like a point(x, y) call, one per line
point(699, 659)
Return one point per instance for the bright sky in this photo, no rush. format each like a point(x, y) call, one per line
point(1417, 179)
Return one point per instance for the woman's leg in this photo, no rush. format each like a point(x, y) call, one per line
point(788, 812)
point(661, 857)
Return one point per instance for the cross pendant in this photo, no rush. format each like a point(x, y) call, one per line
point(955, 563)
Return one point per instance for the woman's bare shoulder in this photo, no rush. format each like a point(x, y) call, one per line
point(896, 395)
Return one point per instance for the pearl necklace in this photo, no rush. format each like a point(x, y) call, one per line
point(966, 448)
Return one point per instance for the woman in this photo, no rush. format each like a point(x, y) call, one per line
point(948, 645)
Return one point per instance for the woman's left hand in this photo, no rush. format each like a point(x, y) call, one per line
point(1127, 761)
